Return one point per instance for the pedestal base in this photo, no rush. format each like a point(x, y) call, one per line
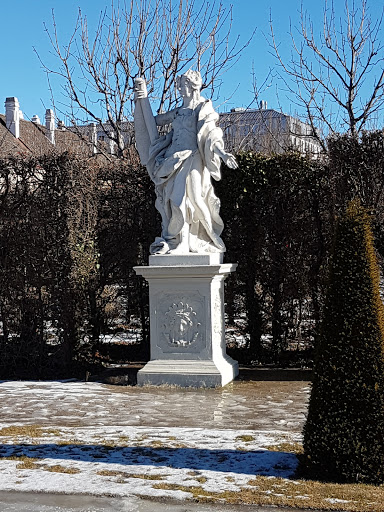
point(198, 374)
point(187, 332)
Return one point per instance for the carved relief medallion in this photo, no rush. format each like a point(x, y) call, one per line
point(181, 322)
point(181, 327)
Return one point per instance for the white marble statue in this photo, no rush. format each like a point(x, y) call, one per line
point(181, 164)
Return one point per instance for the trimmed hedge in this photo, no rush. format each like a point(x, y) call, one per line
point(276, 229)
point(344, 432)
point(70, 232)
point(69, 242)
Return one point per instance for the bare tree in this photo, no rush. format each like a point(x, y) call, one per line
point(156, 40)
point(338, 75)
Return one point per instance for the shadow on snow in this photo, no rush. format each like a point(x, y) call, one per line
point(258, 462)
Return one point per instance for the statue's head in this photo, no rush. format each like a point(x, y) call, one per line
point(192, 77)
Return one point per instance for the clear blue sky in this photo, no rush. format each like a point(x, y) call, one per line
point(23, 29)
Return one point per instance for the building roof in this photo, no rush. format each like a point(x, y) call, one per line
point(66, 140)
point(33, 141)
point(250, 115)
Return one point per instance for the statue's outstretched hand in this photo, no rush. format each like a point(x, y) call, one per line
point(230, 161)
point(140, 88)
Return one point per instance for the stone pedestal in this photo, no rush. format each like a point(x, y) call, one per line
point(186, 294)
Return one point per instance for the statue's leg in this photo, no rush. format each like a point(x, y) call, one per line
point(178, 238)
point(182, 246)
point(202, 212)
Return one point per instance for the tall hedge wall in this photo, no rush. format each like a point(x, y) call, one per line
point(71, 230)
point(276, 229)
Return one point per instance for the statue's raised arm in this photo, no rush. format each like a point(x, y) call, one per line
point(145, 124)
point(181, 164)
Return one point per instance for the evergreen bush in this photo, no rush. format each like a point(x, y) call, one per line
point(344, 432)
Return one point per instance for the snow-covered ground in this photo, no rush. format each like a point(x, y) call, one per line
point(49, 443)
point(135, 460)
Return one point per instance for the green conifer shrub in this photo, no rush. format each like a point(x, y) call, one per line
point(344, 432)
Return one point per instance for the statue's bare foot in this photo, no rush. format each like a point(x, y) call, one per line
point(159, 246)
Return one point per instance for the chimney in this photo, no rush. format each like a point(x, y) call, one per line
point(50, 124)
point(263, 105)
point(94, 137)
point(36, 119)
point(111, 143)
point(12, 116)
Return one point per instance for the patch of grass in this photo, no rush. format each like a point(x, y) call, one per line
point(179, 445)
point(157, 444)
point(69, 442)
point(26, 463)
point(107, 447)
point(60, 469)
point(293, 493)
point(124, 441)
point(123, 474)
point(28, 431)
point(296, 448)
point(108, 444)
point(107, 472)
point(245, 438)
point(196, 475)
point(196, 491)
point(30, 463)
point(20, 458)
point(163, 446)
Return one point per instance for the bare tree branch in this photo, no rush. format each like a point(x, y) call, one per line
point(340, 69)
point(157, 40)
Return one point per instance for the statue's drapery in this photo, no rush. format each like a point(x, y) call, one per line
point(170, 169)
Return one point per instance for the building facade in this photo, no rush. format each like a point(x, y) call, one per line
point(267, 131)
point(261, 130)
